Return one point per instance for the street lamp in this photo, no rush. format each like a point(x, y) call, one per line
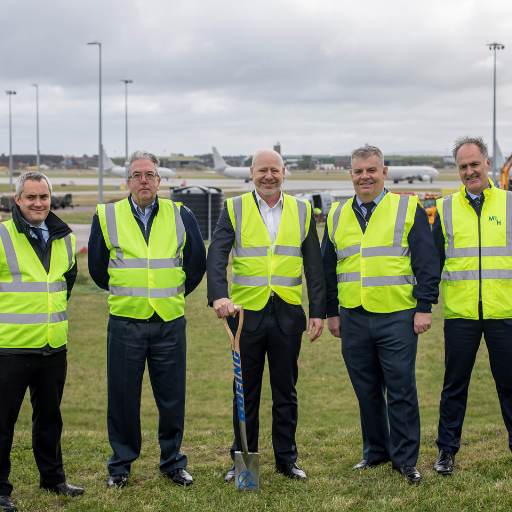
point(37, 125)
point(10, 93)
point(494, 46)
point(126, 82)
point(100, 150)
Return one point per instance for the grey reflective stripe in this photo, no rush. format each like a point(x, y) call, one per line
point(165, 293)
point(249, 252)
point(23, 318)
point(10, 254)
point(464, 252)
point(110, 217)
point(285, 281)
point(401, 215)
point(249, 281)
point(303, 217)
point(386, 251)
point(69, 248)
point(128, 291)
point(29, 287)
point(143, 263)
point(348, 277)
point(237, 209)
point(180, 232)
point(348, 251)
point(388, 280)
point(61, 316)
point(472, 275)
point(335, 222)
point(447, 221)
point(287, 250)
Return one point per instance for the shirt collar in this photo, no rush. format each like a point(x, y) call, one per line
point(43, 225)
point(377, 200)
point(138, 209)
point(260, 200)
point(473, 196)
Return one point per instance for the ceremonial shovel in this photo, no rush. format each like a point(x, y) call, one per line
point(247, 465)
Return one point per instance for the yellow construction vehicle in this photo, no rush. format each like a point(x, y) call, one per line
point(505, 181)
point(430, 206)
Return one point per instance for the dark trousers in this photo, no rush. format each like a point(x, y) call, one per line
point(45, 377)
point(283, 353)
point(461, 342)
point(379, 350)
point(164, 346)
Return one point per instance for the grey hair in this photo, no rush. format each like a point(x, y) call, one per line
point(466, 139)
point(34, 176)
point(366, 152)
point(142, 154)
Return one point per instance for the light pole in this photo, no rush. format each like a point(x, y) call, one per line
point(494, 46)
point(37, 125)
point(10, 93)
point(126, 82)
point(100, 150)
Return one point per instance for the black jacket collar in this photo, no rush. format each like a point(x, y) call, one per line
point(58, 229)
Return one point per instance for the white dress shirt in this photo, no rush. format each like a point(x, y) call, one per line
point(271, 216)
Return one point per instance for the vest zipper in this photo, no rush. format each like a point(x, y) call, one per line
point(479, 259)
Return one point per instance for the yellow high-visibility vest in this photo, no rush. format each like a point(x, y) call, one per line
point(460, 278)
point(257, 269)
point(145, 278)
point(374, 269)
point(33, 309)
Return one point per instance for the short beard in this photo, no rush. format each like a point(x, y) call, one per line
point(267, 192)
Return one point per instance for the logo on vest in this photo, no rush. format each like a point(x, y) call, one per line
point(495, 219)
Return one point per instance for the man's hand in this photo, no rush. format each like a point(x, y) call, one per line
point(318, 325)
point(422, 322)
point(224, 307)
point(333, 324)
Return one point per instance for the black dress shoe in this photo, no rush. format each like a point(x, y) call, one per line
point(230, 475)
point(6, 503)
point(291, 470)
point(118, 481)
point(368, 464)
point(444, 463)
point(410, 472)
point(64, 488)
point(180, 476)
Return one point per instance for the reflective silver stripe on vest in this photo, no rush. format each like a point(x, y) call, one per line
point(386, 251)
point(249, 281)
point(348, 277)
point(287, 250)
point(165, 293)
point(59, 286)
point(472, 275)
point(303, 217)
point(285, 281)
point(249, 252)
point(10, 254)
point(401, 215)
point(37, 318)
point(335, 222)
point(69, 248)
point(180, 232)
point(388, 280)
point(237, 209)
point(29, 287)
point(110, 217)
point(351, 250)
point(143, 263)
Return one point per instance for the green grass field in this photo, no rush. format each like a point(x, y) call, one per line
point(329, 441)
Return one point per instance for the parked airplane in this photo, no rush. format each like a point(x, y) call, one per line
point(240, 173)
point(410, 173)
point(119, 170)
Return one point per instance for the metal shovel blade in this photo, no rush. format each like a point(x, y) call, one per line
point(247, 471)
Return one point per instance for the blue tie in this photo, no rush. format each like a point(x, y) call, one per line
point(40, 237)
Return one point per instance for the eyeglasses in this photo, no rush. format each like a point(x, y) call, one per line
point(137, 176)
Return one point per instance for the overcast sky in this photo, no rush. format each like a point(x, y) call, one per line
point(320, 76)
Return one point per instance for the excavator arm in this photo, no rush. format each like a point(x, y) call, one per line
point(504, 174)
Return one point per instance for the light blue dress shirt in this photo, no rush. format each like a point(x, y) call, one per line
point(377, 200)
point(143, 216)
point(43, 226)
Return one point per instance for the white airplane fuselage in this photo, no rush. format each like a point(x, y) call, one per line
point(410, 173)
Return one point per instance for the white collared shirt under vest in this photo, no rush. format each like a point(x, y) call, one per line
point(271, 216)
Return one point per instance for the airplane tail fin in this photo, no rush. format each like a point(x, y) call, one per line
point(218, 161)
point(107, 162)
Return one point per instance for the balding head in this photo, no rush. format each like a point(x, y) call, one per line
point(267, 173)
point(267, 155)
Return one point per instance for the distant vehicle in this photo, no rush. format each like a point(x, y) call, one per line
point(410, 173)
point(239, 173)
point(506, 182)
point(430, 205)
point(322, 200)
point(119, 170)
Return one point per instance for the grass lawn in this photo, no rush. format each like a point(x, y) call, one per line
point(328, 438)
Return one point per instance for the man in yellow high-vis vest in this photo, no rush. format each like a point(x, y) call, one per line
point(381, 272)
point(473, 234)
point(149, 254)
point(271, 236)
point(37, 272)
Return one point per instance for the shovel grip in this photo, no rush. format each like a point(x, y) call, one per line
point(235, 340)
